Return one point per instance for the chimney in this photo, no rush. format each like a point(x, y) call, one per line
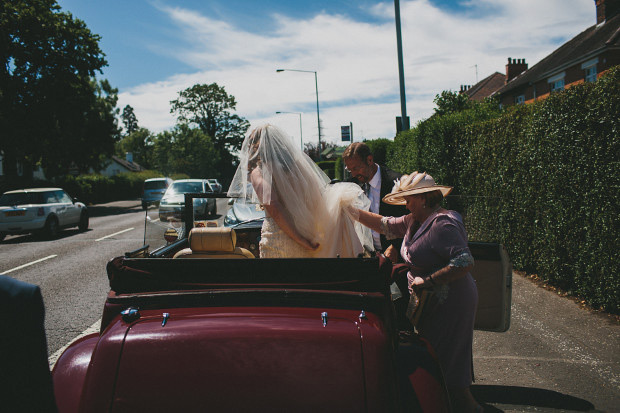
point(129, 157)
point(606, 9)
point(514, 68)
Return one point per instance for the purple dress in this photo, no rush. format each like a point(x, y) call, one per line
point(448, 320)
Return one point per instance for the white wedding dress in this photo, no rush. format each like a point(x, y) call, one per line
point(342, 237)
point(273, 171)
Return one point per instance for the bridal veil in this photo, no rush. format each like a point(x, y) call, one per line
point(302, 190)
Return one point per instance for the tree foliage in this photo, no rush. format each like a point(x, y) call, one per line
point(187, 151)
point(140, 144)
point(52, 111)
point(210, 108)
point(451, 102)
point(129, 120)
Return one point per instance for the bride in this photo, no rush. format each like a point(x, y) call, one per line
point(304, 215)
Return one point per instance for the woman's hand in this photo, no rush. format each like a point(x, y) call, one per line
point(391, 253)
point(419, 282)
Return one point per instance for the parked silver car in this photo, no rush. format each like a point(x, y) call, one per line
point(45, 210)
point(172, 205)
point(153, 190)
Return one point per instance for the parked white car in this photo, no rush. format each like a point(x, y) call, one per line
point(44, 210)
point(172, 205)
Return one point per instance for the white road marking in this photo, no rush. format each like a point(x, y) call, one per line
point(116, 233)
point(92, 329)
point(29, 264)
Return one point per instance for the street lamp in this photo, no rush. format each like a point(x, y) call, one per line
point(301, 138)
point(316, 85)
point(404, 124)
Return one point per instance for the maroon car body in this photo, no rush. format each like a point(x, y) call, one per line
point(223, 334)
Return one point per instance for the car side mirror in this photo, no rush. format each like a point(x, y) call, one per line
point(231, 201)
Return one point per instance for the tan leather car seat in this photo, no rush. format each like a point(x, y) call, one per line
point(209, 242)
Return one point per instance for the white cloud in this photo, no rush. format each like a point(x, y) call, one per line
point(356, 61)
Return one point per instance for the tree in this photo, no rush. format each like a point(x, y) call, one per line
point(313, 150)
point(185, 150)
point(140, 144)
point(209, 107)
point(51, 109)
point(451, 102)
point(129, 120)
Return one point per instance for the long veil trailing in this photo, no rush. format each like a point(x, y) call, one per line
point(302, 190)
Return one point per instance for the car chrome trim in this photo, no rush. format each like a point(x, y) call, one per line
point(130, 314)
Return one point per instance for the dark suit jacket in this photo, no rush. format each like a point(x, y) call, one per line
point(25, 379)
point(388, 177)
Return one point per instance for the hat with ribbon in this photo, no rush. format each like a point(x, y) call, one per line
point(414, 183)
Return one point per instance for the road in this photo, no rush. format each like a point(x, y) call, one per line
point(555, 357)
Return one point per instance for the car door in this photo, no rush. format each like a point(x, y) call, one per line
point(493, 274)
point(73, 210)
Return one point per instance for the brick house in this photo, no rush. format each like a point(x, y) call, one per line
point(584, 58)
point(485, 88)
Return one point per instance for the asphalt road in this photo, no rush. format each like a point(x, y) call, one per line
point(555, 357)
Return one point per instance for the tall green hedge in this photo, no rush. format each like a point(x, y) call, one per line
point(543, 179)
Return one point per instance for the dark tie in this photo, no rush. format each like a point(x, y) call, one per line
point(366, 188)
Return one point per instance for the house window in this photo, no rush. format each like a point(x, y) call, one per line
point(556, 83)
point(556, 86)
point(591, 74)
point(519, 100)
point(589, 69)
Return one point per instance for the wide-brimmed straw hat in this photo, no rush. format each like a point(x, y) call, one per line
point(414, 183)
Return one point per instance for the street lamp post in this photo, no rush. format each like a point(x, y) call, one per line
point(301, 137)
point(399, 45)
point(316, 85)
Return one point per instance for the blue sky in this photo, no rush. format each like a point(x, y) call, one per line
point(156, 48)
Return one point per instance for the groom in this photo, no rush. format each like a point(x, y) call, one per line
point(377, 181)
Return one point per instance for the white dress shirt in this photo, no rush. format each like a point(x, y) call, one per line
point(374, 194)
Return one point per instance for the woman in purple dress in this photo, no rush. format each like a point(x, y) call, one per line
point(435, 249)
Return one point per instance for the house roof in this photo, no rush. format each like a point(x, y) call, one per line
point(586, 45)
point(130, 166)
point(486, 86)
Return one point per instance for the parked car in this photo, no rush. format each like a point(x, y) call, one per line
point(217, 187)
point(241, 212)
point(153, 190)
point(204, 322)
point(40, 210)
point(172, 204)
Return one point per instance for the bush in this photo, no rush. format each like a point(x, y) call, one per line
point(96, 188)
point(542, 179)
point(328, 167)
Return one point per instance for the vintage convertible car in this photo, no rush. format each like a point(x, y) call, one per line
point(204, 324)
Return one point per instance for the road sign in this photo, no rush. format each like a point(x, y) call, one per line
point(345, 132)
